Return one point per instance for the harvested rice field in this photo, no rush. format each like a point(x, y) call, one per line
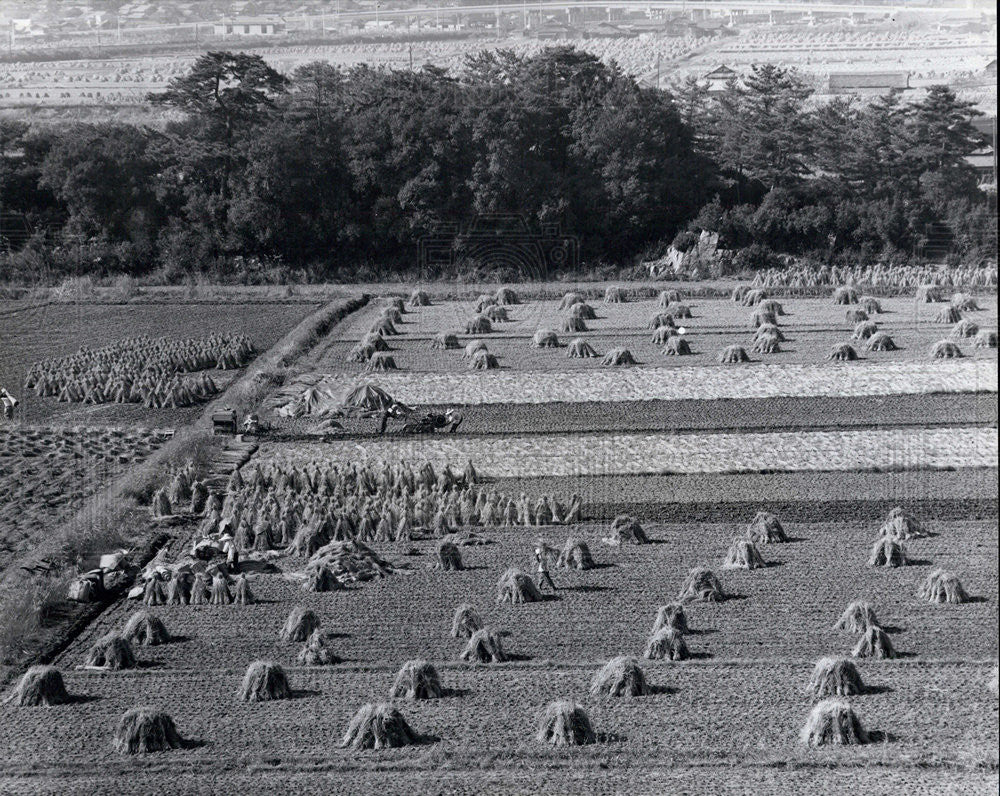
point(801, 485)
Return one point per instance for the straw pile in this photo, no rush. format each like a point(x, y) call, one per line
point(40, 685)
point(416, 679)
point(484, 647)
point(617, 357)
point(580, 349)
point(545, 338)
point(671, 615)
point(466, 622)
point(887, 552)
point(701, 585)
point(621, 676)
point(316, 651)
point(575, 555)
point(880, 341)
point(625, 530)
point(874, 643)
point(299, 625)
point(833, 723)
point(146, 629)
point(743, 554)
point(378, 726)
point(857, 618)
point(733, 354)
point(845, 295)
point(765, 528)
point(565, 723)
point(864, 330)
point(144, 730)
point(842, 353)
point(445, 341)
point(264, 681)
point(614, 295)
point(666, 644)
point(943, 587)
point(835, 677)
point(948, 314)
point(515, 587)
point(112, 652)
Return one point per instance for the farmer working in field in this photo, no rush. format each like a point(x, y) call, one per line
point(8, 402)
point(543, 569)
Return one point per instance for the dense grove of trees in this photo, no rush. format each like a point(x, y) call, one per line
point(329, 172)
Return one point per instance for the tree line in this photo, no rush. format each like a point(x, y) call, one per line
point(332, 172)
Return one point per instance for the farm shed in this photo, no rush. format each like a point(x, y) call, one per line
point(869, 82)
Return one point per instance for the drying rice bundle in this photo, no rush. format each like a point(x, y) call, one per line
point(378, 726)
point(241, 592)
point(617, 357)
point(515, 587)
point(383, 327)
point(945, 349)
point(380, 361)
point(701, 585)
point(112, 652)
point(766, 345)
point(857, 618)
point(575, 555)
point(772, 306)
point(739, 292)
point(143, 730)
point(506, 297)
point(743, 554)
point(856, 315)
point(161, 504)
point(769, 330)
point(680, 311)
point(569, 299)
point(625, 530)
point(583, 311)
point(479, 325)
point(964, 303)
point(316, 651)
point(580, 349)
point(485, 300)
point(901, 525)
point(943, 587)
point(987, 338)
point(565, 723)
point(320, 579)
point(948, 314)
point(671, 615)
point(733, 354)
point(668, 297)
point(621, 676)
point(759, 318)
point(835, 677)
point(39, 686)
point(299, 625)
point(661, 319)
point(474, 346)
point(419, 298)
point(199, 497)
point(570, 323)
point(929, 294)
point(545, 338)
point(845, 295)
point(833, 723)
point(666, 644)
point(871, 306)
point(496, 313)
point(753, 297)
point(264, 681)
point(146, 629)
point(448, 556)
point(663, 333)
point(466, 621)
point(887, 552)
point(445, 341)
point(614, 295)
point(484, 360)
point(677, 347)
point(484, 647)
point(391, 314)
point(765, 528)
point(874, 643)
point(416, 679)
point(880, 341)
point(220, 594)
point(842, 352)
point(376, 341)
point(864, 330)
point(964, 329)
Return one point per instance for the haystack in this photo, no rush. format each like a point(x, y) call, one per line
point(320, 579)
point(835, 677)
point(40, 685)
point(299, 625)
point(677, 347)
point(871, 306)
point(505, 297)
point(759, 318)
point(264, 681)
point(621, 676)
point(874, 643)
point(769, 330)
point(945, 349)
point(964, 303)
point(380, 362)
point(843, 352)
point(614, 295)
point(112, 652)
point(661, 319)
point(496, 313)
point(856, 315)
point(964, 329)
point(580, 349)
point(472, 347)
point(516, 587)
point(880, 341)
point(753, 297)
point(670, 615)
point(864, 330)
point(942, 586)
point(901, 525)
point(199, 497)
point(662, 334)
point(565, 723)
point(161, 504)
point(146, 629)
point(479, 325)
point(833, 723)
point(948, 314)
point(484, 647)
point(739, 292)
point(367, 397)
point(845, 295)
point(857, 618)
point(987, 338)
point(545, 338)
point(569, 299)
point(466, 621)
point(241, 591)
point(679, 311)
point(419, 298)
point(316, 651)
point(570, 323)
point(144, 730)
point(575, 555)
point(733, 354)
point(618, 356)
point(583, 311)
point(416, 680)
point(485, 300)
point(766, 345)
point(887, 552)
point(666, 644)
point(625, 530)
point(701, 585)
point(765, 528)
point(378, 726)
point(220, 590)
point(445, 341)
point(668, 297)
point(484, 360)
point(383, 327)
point(376, 341)
point(772, 306)
point(743, 554)
point(929, 294)
point(448, 556)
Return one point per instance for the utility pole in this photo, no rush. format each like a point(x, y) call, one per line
point(658, 70)
point(411, 56)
